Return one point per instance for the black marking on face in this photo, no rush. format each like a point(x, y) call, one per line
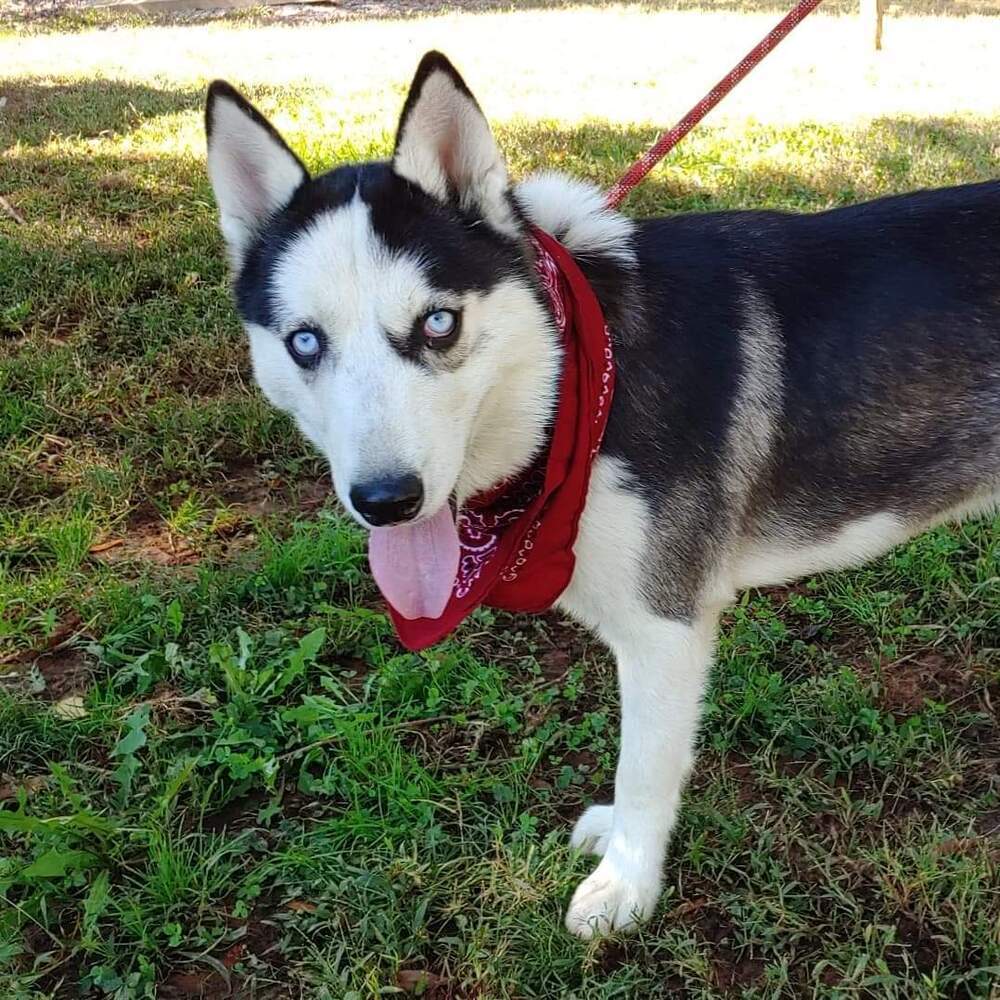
point(459, 253)
point(253, 288)
point(431, 354)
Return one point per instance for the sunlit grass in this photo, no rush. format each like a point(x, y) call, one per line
point(613, 64)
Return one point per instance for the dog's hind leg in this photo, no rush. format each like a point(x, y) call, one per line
point(663, 666)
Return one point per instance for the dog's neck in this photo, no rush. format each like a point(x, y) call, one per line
point(515, 420)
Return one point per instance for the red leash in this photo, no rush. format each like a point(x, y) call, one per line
point(668, 140)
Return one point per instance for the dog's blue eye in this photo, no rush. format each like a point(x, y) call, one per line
point(440, 324)
point(305, 346)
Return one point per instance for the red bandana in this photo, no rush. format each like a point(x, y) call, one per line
point(516, 541)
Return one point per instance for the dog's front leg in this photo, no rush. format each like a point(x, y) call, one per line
point(662, 668)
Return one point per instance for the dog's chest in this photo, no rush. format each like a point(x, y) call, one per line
point(609, 549)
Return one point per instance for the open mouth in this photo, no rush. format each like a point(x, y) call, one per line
point(415, 563)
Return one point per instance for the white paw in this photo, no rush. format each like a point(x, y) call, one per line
point(611, 900)
point(593, 829)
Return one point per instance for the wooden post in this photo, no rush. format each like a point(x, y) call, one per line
point(872, 12)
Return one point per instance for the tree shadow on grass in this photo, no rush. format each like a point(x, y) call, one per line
point(35, 111)
point(119, 262)
point(791, 162)
point(139, 223)
point(803, 167)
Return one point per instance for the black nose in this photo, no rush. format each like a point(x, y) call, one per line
point(388, 500)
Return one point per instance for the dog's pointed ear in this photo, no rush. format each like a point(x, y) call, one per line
point(253, 172)
point(444, 145)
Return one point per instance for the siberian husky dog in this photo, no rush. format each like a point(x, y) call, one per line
point(795, 393)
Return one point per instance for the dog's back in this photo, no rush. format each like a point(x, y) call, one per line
point(800, 392)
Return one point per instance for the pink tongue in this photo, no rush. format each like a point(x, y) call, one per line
point(415, 564)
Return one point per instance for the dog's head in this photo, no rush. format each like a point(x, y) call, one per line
point(391, 307)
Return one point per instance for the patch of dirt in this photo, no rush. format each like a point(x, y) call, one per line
point(420, 981)
point(805, 870)
point(584, 761)
point(240, 814)
point(35, 940)
point(792, 768)
point(748, 789)
point(831, 976)
point(11, 786)
point(236, 815)
point(555, 643)
point(919, 941)
point(260, 941)
point(569, 802)
point(452, 746)
point(733, 973)
point(204, 984)
point(908, 684)
point(65, 671)
point(59, 972)
point(832, 827)
point(614, 953)
point(63, 632)
point(62, 983)
point(565, 645)
point(782, 593)
point(555, 663)
point(712, 923)
point(253, 493)
point(168, 703)
point(146, 541)
point(964, 846)
point(431, 985)
point(51, 454)
point(247, 494)
point(988, 825)
point(712, 767)
point(353, 672)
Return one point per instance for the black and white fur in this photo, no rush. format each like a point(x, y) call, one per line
point(795, 393)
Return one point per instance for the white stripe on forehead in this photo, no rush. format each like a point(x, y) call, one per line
point(338, 273)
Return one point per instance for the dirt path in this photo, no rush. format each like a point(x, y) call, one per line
point(182, 11)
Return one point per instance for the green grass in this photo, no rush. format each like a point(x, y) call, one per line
point(217, 769)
